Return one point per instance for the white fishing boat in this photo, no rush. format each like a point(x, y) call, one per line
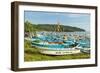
point(55, 49)
point(65, 51)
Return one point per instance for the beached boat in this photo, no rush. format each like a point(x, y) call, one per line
point(84, 47)
point(65, 51)
point(55, 49)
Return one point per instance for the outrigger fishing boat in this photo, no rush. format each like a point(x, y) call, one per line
point(54, 44)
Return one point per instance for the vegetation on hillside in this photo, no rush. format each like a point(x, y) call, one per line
point(29, 27)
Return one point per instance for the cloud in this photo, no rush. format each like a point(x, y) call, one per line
point(74, 15)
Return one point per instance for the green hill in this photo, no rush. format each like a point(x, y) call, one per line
point(48, 27)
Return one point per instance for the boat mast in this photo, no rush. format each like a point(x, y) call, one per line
point(58, 27)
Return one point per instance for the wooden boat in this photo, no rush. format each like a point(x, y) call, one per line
point(46, 49)
point(55, 42)
point(65, 51)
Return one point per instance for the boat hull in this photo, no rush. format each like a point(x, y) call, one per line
point(59, 52)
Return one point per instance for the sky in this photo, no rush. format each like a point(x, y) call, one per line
point(80, 20)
